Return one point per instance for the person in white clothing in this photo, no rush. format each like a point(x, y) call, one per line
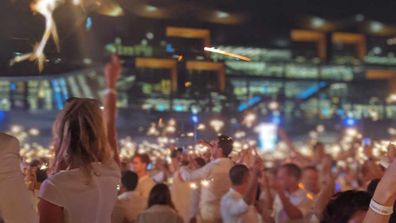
point(86, 171)
point(237, 205)
point(160, 207)
point(16, 205)
point(187, 205)
point(130, 203)
point(291, 203)
point(214, 177)
point(145, 184)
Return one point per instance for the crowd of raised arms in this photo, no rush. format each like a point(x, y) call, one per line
point(87, 182)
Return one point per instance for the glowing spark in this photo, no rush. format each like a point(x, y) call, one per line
point(205, 183)
point(193, 186)
point(217, 125)
point(45, 8)
point(34, 132)
point(201, 127)
point(44, 166)
point(214, 50)
point(310, 196)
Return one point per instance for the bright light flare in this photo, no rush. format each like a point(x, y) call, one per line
point(214, 50)
point(267, 133)
point(45, 8)
point(217, 125)
point(205, 183)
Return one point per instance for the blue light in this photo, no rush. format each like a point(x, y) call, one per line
point(161, 107)
point(276, 120)
point(195, 118)
point(13, 87)
point(311, 90)
point(340, 112)
point(169, 48)
point(2, 116)
point(57, 94)
point(244, 105)
point(178, 108)
point(349, 121)
point(88, 23)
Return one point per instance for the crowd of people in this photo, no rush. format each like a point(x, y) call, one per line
point(87, 182)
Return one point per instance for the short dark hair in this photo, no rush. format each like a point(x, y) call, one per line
point(143, 157)
point(129, 180)
point(318, 145)
point(343, 205)
point(238, 173)
point(160, 194)
point(41, 175)
point(226, 143)
point(200, 161)
point(292, 170)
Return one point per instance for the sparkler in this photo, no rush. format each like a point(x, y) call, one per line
point(45, 8)
point(214, 50)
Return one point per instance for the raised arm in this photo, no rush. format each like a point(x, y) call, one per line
point(250, 194)
point(284, 137)
point(384, 196)
point(199, 174)
point(112, 72)
point(328, 189)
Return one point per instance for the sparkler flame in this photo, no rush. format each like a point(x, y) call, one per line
point(45, 8)
point(214, 50)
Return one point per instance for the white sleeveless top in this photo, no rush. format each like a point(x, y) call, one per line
point(82, 202)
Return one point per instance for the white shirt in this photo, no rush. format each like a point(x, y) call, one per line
point(15, 200)
point(215, 182)
point(235, 210)
point(82, 202)
point(216, 174)
point(129, 205)
point(159, 214)
point(185, 197)
point(144, 186)
point(298, 199)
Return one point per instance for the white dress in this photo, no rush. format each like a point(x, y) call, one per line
point(82, 202)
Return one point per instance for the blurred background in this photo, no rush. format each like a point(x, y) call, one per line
point(311, 67)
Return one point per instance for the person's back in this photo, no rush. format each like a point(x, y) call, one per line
point(84, 201)
point(15, 203)
point(160, 207)
point(130, 202)
point(159, 214)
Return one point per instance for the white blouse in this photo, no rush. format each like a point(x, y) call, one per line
point(82, 202)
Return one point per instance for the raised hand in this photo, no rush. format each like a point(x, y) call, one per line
point(112, 72)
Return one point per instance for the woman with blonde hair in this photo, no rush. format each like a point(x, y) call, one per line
point(86, 172)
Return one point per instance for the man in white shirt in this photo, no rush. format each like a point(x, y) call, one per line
point(130, 203)
point(15, 199)
point(237, 205)
point(214, 179)
point(310, 180)
point(145, 184)
point(291, 203)
point(187, 205)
